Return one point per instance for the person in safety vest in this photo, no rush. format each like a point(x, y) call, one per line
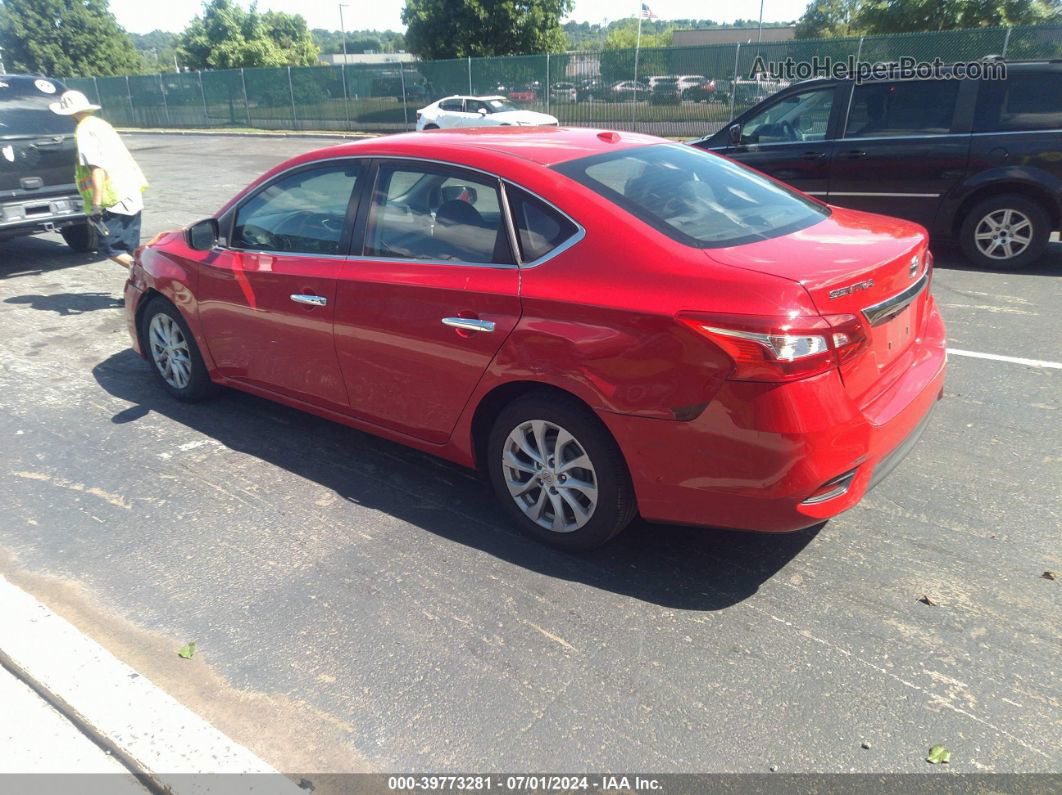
point(110, 181)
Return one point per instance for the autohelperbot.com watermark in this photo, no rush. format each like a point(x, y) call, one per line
point(905, 68)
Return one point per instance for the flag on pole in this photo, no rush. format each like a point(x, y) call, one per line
point(647, 12)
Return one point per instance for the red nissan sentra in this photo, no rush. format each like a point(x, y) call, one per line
point(606, 324)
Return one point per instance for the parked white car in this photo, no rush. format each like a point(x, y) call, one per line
point(461, 111)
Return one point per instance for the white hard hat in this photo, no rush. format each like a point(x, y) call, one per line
point(72, 102)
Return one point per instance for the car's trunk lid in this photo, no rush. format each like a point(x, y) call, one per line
point(37, 149)
point(854, 263)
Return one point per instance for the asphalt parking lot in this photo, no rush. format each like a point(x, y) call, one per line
point(361, 606)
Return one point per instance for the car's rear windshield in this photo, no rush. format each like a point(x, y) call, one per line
point(694, 197)
point(24, 108)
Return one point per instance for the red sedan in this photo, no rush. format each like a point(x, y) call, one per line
point(606, 324)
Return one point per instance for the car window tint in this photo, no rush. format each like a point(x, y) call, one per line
point(432, 214)
point(539, 227)
point(1024, 101)
point(24, 109)
point(451, 104)
point(917, 107)
point(798, 117)
point(303, 213)
point(694, 197)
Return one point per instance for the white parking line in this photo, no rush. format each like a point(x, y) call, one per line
point(1011, 359)
point(152, 729)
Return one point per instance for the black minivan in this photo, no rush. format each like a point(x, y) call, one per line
point(974, 161)
point(37, 159)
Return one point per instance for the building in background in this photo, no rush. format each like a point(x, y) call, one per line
point(335, 59)
point(698, 38)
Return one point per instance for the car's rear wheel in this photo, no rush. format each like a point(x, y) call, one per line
point(1008, 231)
point(431, 126)
point(559, 472)
point(172, 351)
point(80, 237)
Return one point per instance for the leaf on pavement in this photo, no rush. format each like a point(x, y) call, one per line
point(187, 650)
point(928, 600)
point(938, 755)
point(1050, 575)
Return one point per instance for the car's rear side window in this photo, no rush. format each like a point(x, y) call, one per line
point(539, 227)
point(694, 197)
point(1024, 101)
point(903, 108)
point(452, 104)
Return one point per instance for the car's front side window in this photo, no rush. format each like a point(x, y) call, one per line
point(436, 214)
point(798, 117)
point(304, 212)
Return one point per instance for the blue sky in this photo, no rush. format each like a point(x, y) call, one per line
point(139, 16)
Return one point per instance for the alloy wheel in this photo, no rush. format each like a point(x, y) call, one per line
point(550, 476)
point(1003, 234)
point(169, 350)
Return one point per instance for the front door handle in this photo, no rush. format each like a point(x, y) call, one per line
point(312, 300)
point(468, 323)
point(855, 153)
point(813, 155)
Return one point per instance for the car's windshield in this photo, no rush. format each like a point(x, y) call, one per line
point(697, 198)
point(24, 108)
point(500, 105)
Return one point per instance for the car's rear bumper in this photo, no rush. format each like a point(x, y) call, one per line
point(759, 451)
point(40, 214)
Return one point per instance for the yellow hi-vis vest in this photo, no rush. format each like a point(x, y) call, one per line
point(123, 177)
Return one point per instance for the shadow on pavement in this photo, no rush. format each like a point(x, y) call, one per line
point(65, 304)
point(36, 254)
point(678, 567)
point(951, 257)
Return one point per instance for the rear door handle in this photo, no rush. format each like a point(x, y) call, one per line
point(312, 300)
point(853, 154)
point(468, 323)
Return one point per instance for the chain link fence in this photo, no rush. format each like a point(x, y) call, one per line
point(673, 91)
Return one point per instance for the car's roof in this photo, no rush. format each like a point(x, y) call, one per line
point(474, 96)
point(545, 146)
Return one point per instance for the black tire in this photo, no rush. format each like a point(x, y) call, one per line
point(615, 504)
point(80, 237)
point(431, 126)
point(198, 385)
point(979, 219)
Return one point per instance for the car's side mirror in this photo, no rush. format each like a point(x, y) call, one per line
point(203, 235)
point(735, 134)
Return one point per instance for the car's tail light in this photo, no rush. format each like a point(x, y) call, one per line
point(768, 348)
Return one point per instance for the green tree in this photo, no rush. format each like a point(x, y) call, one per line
point(228, 37)
point(903, 16)
point(828, 18)
point(458, 28)
point(65, 38)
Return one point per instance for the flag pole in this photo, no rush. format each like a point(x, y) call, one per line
point(637, 49)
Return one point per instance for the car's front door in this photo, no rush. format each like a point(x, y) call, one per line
point(267, 299)
point(424, 308)
point(903, 148)
point(792, 139)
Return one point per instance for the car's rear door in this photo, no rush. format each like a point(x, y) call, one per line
point(791, 138)
point(428, 299)
point(267, 298)
point(903, 148)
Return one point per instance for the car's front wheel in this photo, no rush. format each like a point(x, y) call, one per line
point(559, 472)
point(172, 351)
point(80, 237)
point(1008, 231)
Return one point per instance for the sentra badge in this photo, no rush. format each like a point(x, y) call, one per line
point(852, 288)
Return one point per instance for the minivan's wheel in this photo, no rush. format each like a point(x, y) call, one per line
point(172, 351)
point(80, 237)
point(559, 472)
point(1007, 231)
